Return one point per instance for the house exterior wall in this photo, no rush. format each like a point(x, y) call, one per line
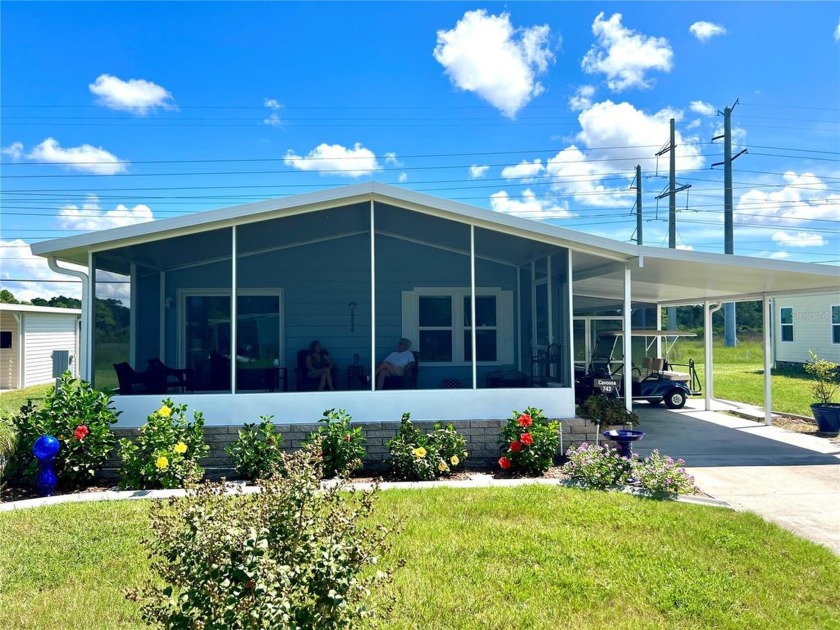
point(812, 328)
point(44, 333)
point(10, 357)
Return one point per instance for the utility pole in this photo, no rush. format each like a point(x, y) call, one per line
point(640, 315)
point(729, 321)
point(673, 189)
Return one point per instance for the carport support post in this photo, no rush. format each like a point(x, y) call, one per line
point(628, 371)
point(768, 399)
point(707, 351)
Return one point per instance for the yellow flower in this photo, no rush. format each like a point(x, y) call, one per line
point(180, 448)
point(419, 452)
point(162, 463)
point(455, 461)
point(442, 467)
point(165, 411)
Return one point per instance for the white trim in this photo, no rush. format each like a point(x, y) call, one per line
point(373, 294)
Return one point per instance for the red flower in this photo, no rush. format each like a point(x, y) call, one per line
point(81, 432)
point(250, 584)
point(527, 439)
point(516, 446)
point(504, 462)
point(525, 420)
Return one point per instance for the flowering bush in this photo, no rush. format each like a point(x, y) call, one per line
point(663, 475)
point(257, 453)
point(80, 418)
point(294, 555)
point(597, 466)
point(609, 411)
point(602, 467)
point(416, 456)
point(529, 442)
point(342, 446)
point(166, 453)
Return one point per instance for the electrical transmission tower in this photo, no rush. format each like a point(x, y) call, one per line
point(729, 322)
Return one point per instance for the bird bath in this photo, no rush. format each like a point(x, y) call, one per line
point(624, 438)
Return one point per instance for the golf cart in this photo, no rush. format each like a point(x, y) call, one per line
point(654, 380)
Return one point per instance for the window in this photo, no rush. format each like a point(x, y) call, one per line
point(786, 320)
point(835, 324)
point(442, 319)
point(5, 339)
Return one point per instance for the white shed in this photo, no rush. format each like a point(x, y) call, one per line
point(806, 322)
point(29, 335)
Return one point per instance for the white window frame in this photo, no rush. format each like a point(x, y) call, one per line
point(504, 321)
point(834, 325)
point(783, 324)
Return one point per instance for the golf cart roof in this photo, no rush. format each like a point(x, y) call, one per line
point(649, 333)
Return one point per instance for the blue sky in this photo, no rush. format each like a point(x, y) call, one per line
point(114, 113)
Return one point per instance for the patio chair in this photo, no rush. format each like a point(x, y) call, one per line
point(130, 382)
point(172, 378)
point(542, 364)
point(409, 378)
point(306, 383)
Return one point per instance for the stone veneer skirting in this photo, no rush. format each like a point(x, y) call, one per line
point(481, 436)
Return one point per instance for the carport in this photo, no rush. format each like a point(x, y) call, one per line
point(664, 277)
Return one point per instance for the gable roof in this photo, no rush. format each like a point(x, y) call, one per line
point(659, 275)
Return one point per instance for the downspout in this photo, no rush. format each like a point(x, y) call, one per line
point(768, 394)
point(20, 324)
point(707, 344)
point(84, 344)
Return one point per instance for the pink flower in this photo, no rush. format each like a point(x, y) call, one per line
point(527, 439)
point(516, 446)
point(525, 420)
point(504, 462)
point(81, 432)
point(347, 438)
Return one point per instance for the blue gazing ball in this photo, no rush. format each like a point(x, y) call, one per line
point(45, 447)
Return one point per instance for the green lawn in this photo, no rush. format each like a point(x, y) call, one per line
point(523, 557)
point(12, 400)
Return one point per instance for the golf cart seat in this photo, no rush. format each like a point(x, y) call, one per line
point(650, 365)
point(677, 377)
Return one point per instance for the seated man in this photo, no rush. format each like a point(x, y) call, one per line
point(394, 364)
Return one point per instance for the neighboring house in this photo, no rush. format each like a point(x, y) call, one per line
point(479, 293)
point(29, 335)
point(806, 322)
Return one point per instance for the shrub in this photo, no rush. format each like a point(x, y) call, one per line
point(604, 410)
point(80, 418)
point(597, 466)
point(342, 446)
point(166, 453)
point(291, 556)
point(663, 476)
point(256, 454)
point(826, 381)
point(8, 439)
point(529, 443)
point(416, 456)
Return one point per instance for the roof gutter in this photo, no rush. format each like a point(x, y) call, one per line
point(84, 345)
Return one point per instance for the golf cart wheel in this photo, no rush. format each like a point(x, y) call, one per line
point(675, 399)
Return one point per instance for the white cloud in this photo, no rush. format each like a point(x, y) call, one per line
point(14, 150)
point(779, 255)
point(477, 172)
point(391, 159)
point(19, 268)
point(83, 158)
point(402, 178)
point(803, 198)
point(837, 33)
point(799, 239)
point(582, 98)
point(529, 207)
point(485, 54)
point(625, 56)
point(614, 138)
point(704, 109)
point(524, 170)
point(704, 31)
point(91, 217)
point(273, 119)
point(694, 124)
point(334, 159)
point(137, 96)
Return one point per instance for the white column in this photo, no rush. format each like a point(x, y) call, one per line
point(373, 298)
point(628, 370)
point(162, 317)
point(233, 340)
point(570, 308)
point(707, 355)
point(768, 398)
point(472, 309)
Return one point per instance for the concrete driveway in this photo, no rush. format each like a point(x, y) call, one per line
point(785, 477)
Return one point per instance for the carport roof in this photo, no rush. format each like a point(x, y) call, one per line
point(659, 276)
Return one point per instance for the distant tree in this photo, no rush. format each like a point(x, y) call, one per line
point(65, 302)
point(39, 302)
point(6, 297)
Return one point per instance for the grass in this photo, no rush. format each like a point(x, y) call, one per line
point(739, 376)
point(11, 401)
point(524, 557)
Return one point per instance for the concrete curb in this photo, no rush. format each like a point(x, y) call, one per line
point(476, 481)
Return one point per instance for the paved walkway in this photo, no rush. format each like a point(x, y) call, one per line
point(785, 477)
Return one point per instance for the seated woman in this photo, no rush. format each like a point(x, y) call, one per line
point(319, 366)
point(394, 364)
